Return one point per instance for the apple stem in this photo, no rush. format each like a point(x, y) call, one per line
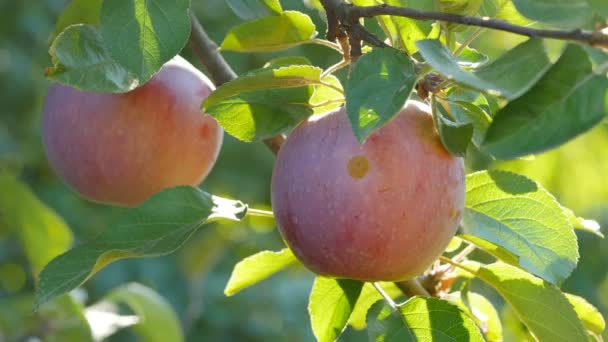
point(259, 213)
point(385, 295)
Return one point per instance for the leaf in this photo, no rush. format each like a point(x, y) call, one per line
point(421, 319)
point(402, 32)
point(466, 112)
point(81, 60)
point(158, 322)
point(538, 304)
point(562, 13)
point(287, 61)
point(327, 98)
point(330, 305)
point(509, 76)
point(481, 310)
point(567, 101)
point(577, 222)
point(157, 227)
point(252, 9)
point(271, 33)
point(253, 108)
point(599, 6)
point(256, 268)
point(369, 295)
point(63, 318)
point(79, 12)
point(454, 136)
point(267, 78)
point(517, 214)
point(592, 319)
point(379, 84)
point(42, 233)
point(142, 35)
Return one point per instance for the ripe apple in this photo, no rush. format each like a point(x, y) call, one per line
point(382, 211)
point(122, 148)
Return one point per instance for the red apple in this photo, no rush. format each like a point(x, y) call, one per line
point(382, 211)
point(122, 148)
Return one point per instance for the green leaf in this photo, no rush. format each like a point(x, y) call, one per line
point(79, 12)
point(256, 268)
point(454, 136)
point(272, 33)
point(538, 304)
point(158, 322)
point(264, 102)
point(481, 310)
point(466, 112)
point(421, 319)
point(369, 295)
point(42, 232)
point(327, 98)
point(562, 13)
point(330, 305)
point(592, 319)
point(287, 61)
point(568, 100)
point(142, 35)
point(253, 9)
point(517, 214)
point(379, 84)
point(509, 76)
point(581, 223)
point(267, 78)
point(599, 6)
point(402, 32)
point(63, 318)
point(157, 227)
point(81, 60)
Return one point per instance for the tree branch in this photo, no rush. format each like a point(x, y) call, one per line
point(217, 67)
point(347, 17)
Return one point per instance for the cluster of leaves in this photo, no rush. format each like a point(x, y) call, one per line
point(521, 103)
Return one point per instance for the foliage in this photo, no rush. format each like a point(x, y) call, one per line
point(494, 105)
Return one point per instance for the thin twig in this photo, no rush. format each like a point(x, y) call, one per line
point(219, 70)
point(591, 38)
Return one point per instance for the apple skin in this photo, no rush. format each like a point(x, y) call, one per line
point(382, 211)
point(122, 148)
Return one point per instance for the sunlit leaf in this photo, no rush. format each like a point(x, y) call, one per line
point(517, 214)
point(256, 268)
point(421, 319)
point(540, 305)
point(481, 310)
point(330, 305)
point(276, 32)
point(142, 35)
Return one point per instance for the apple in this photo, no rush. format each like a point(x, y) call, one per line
point(122, 148)
point(380, 211)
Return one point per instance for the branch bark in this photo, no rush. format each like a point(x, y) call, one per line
point(347, 18)
point(217, 67)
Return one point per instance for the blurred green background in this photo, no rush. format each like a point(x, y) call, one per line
point(192, 279)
